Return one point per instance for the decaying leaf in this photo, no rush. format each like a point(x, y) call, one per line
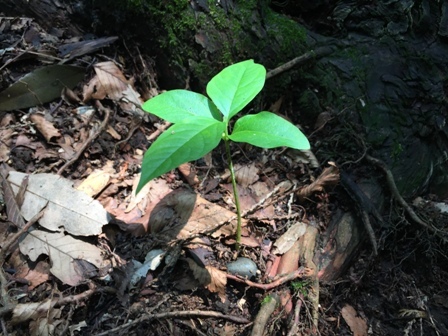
point(182, 213)
point(246, 175)
point(64, 251)
point(68, 209)
point(329, 176)
point(357, 325)
point(45, 127)
point(25, 311)
point(212, 278)
point(287, 240)
point(110, 81)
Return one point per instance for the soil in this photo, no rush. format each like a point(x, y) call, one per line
point(401, 291)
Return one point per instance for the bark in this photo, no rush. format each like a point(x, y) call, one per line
point(50, 14)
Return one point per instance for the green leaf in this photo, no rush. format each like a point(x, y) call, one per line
point(183, 142)
point(177, 105)
point(40, 86)
point(267, 130)
point(235, 86)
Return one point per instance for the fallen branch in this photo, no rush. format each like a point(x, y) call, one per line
point(319, 52)
point(176, 314)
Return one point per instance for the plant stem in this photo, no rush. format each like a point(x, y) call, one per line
point(235, 195)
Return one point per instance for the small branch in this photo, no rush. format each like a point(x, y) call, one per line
point(319, 52)
point(91, 138)
point(300, 273)
point(176, 314)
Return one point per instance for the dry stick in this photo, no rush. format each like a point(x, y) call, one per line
point(319, 52)
point(393, 188)
point(264, 314)
point(6, 300)
point(176, 314)
point(89, 140)
point(302, 272)
point(59, 302)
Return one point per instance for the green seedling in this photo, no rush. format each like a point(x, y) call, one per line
point(200, 123)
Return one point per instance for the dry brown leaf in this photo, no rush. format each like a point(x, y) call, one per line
point(45, 127)
point(357, 325)
point(188, 172)
point(182, 214)
point(275, 107)
point(6, 136)
point(329, 176)
point(25, 311)
point(246, 175)
point(45, 325)
point(63, 251)
point(212, 278)
point(218, 282)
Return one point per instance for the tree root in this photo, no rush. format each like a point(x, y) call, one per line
point(265, 312)
point(396, 194)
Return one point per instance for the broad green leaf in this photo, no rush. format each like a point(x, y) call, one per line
point(187, 141)
point(177, 105)
point(267, 130)
point(235, 86)
point(40, 86)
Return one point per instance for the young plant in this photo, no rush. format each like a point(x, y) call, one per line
point(200, 123)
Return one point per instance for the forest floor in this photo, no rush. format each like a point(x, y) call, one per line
point(166, 263)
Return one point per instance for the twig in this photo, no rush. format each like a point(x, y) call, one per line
point(396, 194)
point(264, 314)
point(58, 302)
point(7, 245)
point(176, 314)
point(319, 52)
point(302, 272)
point(159, 130)
point(5, 299)
point(92, 138)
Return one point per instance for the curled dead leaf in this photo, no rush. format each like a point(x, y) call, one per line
point(212, 278)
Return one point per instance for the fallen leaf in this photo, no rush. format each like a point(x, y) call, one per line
point(188, 172)
point(110, 81)
point(68, 209)
point(246, 175)
point(25, 311)
point(45, 127)
point(40, 86)
point(182, 214)
point(357, 325)
point(64, 251)
point(218, 282)
point(212, 278)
